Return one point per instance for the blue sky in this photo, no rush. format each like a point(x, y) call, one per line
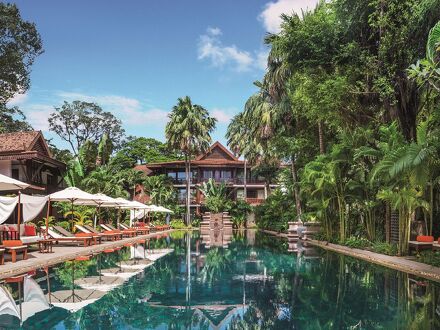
point(135, 58)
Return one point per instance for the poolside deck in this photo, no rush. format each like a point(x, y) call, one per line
point(62, 253)
point(403, 264)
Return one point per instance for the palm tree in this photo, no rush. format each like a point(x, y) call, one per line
point(189, 132)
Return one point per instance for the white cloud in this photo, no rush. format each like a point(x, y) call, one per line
point(37, 115)
point(262, 59)
point(18, 99)
point(270, 16)
point(211, 48)
point(129, 110)
point(223, 115)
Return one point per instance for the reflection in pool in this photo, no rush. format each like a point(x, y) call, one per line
point(254, 283)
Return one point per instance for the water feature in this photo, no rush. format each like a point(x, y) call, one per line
point(254, 283)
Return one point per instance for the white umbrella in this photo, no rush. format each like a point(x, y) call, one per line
point(101, 200)
point(7, 183)
point(71, 194)
point(75, 299)
point(161, 209)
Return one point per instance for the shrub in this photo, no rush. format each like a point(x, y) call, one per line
point(239, 211)
point(429, 257)
point(276, 211)
point(384, 248)
point(356, 242)
point(177, 224)
point(195, 222)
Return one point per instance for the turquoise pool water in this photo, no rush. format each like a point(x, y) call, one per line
point(250, 282)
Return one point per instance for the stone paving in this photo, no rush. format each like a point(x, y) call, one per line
point(62, 252)
point(399, 263)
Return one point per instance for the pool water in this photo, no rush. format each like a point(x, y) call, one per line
point(248, 281)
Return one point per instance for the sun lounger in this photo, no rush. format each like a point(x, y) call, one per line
point(57, 237)
point(140, 230)
point(127, 232)
point(107, 236)
point(14, 247)
point(111, 235)
point(64, 232)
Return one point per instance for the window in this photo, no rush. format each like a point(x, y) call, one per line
point(181, 176)
point(207, 174)
point(226, 175)
point(15, 174)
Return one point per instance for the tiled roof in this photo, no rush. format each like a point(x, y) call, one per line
point(17, 142)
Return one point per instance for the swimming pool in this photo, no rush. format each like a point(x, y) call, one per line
point(248, 281)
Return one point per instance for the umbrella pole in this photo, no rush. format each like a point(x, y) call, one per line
point(72, 216)
point(47, 216)
point(119, 217)
point(19, 215)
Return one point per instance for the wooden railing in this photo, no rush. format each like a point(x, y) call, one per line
point(255, 201)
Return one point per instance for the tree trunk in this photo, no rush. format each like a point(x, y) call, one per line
point(188, 193)
point(245, 180)
point(387, 223)
point(296, 190)
point(321, 138)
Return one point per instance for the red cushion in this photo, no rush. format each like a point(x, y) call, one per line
point(427, 239)
point(30, 230)
point(12, 243)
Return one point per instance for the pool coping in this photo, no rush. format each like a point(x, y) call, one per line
point(402, 264)
point(398, 263)
point(24, 266)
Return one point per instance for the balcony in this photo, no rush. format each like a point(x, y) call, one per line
point(255, 201)
point(227, 181)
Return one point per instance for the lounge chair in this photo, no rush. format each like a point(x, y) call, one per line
point(15, 246)
point(125, 232)
point(62, 231)
point(112, 235)
point(107, 236)
point(57, 237)
point(421, 243)
point(139, 230)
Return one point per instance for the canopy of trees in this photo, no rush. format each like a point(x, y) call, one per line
point(346, 101)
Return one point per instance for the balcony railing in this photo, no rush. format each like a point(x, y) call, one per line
point(221, 180)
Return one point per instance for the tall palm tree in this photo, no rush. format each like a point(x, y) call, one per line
point(189, 131)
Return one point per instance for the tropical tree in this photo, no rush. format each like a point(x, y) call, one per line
point(161, 189)
point(189, 131)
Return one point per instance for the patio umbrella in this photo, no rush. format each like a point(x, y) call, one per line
point(135, 205)
point(101, 200)
point(72, 195)
point(7, 183)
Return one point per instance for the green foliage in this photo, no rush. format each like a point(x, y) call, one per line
point(20, 44)
point(215, 196)
point(141, 150)
point(384, 248)
point(239, 211)
point(78, 122)
point(275, 212)
point(356, 242)
point(161, 190)
point(177, 224)
point(429, 257)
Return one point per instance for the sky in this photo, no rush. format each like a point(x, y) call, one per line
point(136, 57)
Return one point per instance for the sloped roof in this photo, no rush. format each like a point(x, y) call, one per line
point(26, 145)
point(23, 141)
point(217, 149)
point(216, 156)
